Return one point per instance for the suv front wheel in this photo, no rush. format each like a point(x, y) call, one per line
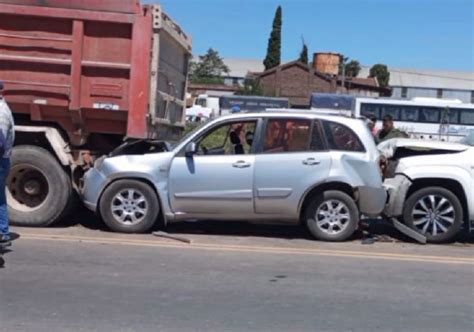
point(332, 216)
point(434, 212)
point(129, 206)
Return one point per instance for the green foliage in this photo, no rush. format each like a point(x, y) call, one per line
point(209, 69)
point(251, 88)
point(382, 74)
point(304, 54)
point(273, 57)
point(351, 68)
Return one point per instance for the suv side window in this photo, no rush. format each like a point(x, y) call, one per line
point(342, 138)
point(227, 139)
point(287, 135)
point(317, 138)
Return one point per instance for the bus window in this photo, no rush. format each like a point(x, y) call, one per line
point(429, 115)
point(453, 115)
point(467, 117)
point(370, 109)
point(392, 110)
point(409, 113)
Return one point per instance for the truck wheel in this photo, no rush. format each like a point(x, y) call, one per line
point(332, 216)
point(129, 206)
point(434, 212)
point(38, 189)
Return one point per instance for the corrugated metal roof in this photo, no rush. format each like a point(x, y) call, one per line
point(428, 78)
point(239, 67)
point(407, 77)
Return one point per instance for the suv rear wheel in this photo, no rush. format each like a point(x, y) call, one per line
point(332, 216)
point(129, 206)
point(434, 212)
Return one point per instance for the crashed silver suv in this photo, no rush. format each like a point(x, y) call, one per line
point(281, 166)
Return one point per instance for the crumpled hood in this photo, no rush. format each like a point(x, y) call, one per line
point(152, 163)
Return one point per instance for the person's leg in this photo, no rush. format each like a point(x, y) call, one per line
point(4, 229)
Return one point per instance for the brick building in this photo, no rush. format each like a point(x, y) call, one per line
point(296, 81)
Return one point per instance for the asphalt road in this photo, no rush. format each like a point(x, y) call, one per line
point(86, 283)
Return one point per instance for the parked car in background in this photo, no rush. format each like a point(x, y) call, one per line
point(282, 166)
point(430, 185)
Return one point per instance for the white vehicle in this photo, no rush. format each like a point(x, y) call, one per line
point(210, 107)
point(204, 106)
point(424, 118)
point(430, 186)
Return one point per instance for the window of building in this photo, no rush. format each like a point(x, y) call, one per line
point(404, 92)
point(342, 138)
point(472, 97)
point(287, 135)
point(439, 93)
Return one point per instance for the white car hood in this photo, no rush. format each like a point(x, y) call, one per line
point(389, 147)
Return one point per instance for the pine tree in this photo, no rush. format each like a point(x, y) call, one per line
point(304, 53)
point(273, 57)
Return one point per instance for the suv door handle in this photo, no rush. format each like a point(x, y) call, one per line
point(241, 164)
point(311, 161)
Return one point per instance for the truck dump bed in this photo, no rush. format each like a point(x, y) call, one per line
point(94, 67)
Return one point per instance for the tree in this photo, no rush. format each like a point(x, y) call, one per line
point(251, 88)
point(342, 64)
point(382, 74)
point(273, 57)
point(304, 53)
point(209, 69)
point(351, 68)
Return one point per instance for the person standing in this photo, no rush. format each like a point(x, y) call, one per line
point(373, 125)
point(7, 136)
point(389, 131)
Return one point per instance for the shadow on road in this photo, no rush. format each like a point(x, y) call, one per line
point(370, 231)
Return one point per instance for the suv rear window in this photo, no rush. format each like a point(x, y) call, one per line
point(287, 135)
point(342, 138)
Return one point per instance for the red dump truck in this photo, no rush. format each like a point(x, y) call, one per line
point(81, 77)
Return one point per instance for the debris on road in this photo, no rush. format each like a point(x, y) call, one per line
point(408, 231)
point(172, 237)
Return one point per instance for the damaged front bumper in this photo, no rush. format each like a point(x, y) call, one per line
point(397, 188)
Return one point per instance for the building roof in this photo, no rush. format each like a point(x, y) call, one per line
point(241, 67)
point(428, 78)
point(406, 77)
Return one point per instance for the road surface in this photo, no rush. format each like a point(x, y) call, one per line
point(58, 280)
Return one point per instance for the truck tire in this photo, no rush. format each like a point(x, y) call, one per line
point(129, 206)
point(38, 189)
point(332, 216)
point(434, 212)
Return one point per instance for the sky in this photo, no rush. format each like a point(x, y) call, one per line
point(432, 34)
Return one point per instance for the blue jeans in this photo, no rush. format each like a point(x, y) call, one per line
point(4, 169)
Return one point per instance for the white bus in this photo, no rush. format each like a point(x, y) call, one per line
point(425, 118)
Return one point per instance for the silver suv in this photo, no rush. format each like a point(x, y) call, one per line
point(284, 166)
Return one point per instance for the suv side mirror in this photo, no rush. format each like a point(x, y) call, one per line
point(190, 150)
